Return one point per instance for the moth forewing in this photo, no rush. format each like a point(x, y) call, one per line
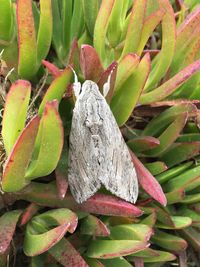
point(97, 152)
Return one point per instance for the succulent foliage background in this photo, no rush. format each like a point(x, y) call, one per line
point(151, 49)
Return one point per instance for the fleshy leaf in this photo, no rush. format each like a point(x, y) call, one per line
point(57, 88)
point(125, 99)
point(49, 143)
point(15, 112)
point(142, 143)
point(107, 249)
point(26, 40)
point(7, 22)
point(90, 63)
point(91, 225)
point(98, 204)
point(148, 182)
point(8, 223)
point(15, 167)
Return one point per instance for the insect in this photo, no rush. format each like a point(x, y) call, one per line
point(98, 154)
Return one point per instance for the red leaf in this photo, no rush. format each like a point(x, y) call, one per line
point(148, 182)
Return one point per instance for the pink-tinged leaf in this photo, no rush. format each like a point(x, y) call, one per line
point(57, 88)
point(101, 26)
point(186, 35)
point(45, 30)
point(125, 99)
point(26, 40)
point(46, 195)
point(67, 255)
point(143, 143)
point(74, 56)
point(162, 257)
point(180, 152)
point(49, 143)
point(108, 249)
point(106, 204)
point(52, 69)
point(171, 85)
point(8, 223)
point(15, 167)
point(150, 24)
point(91, 225)
point(104, 78)
point(135, 27)
point(30, 211)
point(170, 134)
point(139, 231)
point(163, 60)
point(126, 68)
point(156, 167)
point(36, 244)
point(15, 112)
point(148, 182)
point(61, 183)
point(90, 63)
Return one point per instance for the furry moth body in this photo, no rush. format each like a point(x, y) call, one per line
point(97, 151)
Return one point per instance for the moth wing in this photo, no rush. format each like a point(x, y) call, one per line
point(82, 170)
point(117, 171)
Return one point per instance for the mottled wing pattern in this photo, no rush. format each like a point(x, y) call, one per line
point(98, 153)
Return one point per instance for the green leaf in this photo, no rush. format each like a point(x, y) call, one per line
point(168, 137)
point(143, 143)
point(90, 9)
point(187, 180)
point(135, 27)
point(163, 257)
point(192, 236)
point(150, 24)
point(6, 22)
point(165, 57)
point(8, 223)
point(57, 88)
point(140, 232)
point(15, 167)
point(49, 143)
point(106, 249)
point(26, 40)
point(117, 262)
point(36, 244)
point(101, 26)
point(169, 241)
point(126, 68)
point(45, 30)
point(180, 152)
point(156, 167)
point(15, 112)
point(172, 172)
point(156, 126)
point(125, 99)
point(179, 222)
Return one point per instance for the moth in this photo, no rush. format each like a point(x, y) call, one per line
point(98, 154)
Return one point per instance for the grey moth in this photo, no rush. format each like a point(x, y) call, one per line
point(98, 154)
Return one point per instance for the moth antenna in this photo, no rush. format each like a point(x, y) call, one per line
point(76, 84)
point(106, 86)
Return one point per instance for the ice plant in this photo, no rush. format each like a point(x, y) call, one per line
point(151, 50)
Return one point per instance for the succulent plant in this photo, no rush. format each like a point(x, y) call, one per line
point(150, 51)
